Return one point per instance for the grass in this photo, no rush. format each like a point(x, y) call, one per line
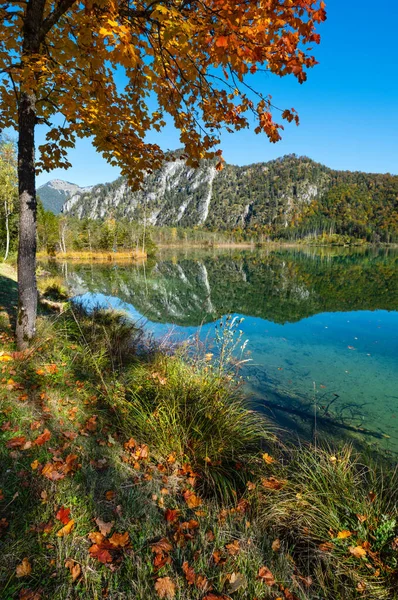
point(98, 255)
point(163, 450)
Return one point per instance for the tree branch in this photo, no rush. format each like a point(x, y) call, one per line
point(62, 7)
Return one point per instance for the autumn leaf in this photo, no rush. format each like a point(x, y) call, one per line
point(165, 587)
point(236, 581)
point(222, 42)
point(101, 553)
point(25, 594)
point(63, 515)
point(24, 569)
point(96, 537)
point(74, 568)
point(171, 514)
point(272, 483)
point(66, 529)
point(119, 540)
point(16, 442)
point(105, 528)
point(190, 575)
point(268, 459)
point(162, 545)
point(276, 545)
point(233, 548)
point(357, 551)
point(192, 500)
point(342, 535)
point(265, 575)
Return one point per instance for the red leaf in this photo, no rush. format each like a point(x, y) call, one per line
point(63, 515)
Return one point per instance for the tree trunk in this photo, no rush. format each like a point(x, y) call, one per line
point(7, 230)
point(27, 304)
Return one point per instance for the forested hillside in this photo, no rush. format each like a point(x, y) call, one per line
point(291, 197)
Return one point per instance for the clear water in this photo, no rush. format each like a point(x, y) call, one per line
point(322, 324)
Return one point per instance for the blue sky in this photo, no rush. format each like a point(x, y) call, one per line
point(348, 107)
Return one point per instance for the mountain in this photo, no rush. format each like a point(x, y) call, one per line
point(54, 194)
point(284, 197)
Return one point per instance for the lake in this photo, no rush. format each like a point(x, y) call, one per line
point(321, 324)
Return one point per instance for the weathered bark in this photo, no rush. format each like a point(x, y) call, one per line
point(27, 304)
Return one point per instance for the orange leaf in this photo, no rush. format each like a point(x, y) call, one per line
point(171, 514)
point(222, 42)
point(66, 529)
point(192, 499)
point(189, 573)
point(100, 553)
point(120, 539)
point(357, 551)
point(265, 575)
point(234, 548)
point(43, 438)
point(74, 568)
point(24, 569)
point(165, 587)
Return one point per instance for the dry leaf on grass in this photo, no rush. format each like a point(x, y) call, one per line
point(24, 569)
point(66, 529)
point(105, 528)
point(265, 575)
point(165, 587)
point(74, 568)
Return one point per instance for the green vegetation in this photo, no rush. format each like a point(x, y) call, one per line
point(288, 199)
point(132, 473)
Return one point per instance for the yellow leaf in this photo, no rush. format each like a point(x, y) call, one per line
point(357, 551)
point(342, 535)
point(268, 459)
point(67, 529)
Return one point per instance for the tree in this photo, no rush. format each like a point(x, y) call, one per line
point(113, 69)
point(8, 186)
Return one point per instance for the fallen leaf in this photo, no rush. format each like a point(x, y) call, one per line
point(265, 575)
point(104, 528)
point(162, 545)
point(268, 459)
point(63, 515)
point(233, 548)
point(165, 587)
point(43, 438)
point(192, 500)
point(272, 483)
point(100, 553)
point(25, 594)
point(276, 545)
point(361, 587)
point(342, 535)
point(190, 575)
point(96, 537)
point(16, 442)
point(74, 568)
point(24, 569)
point(236, 581)
point(119, 540)
point(66, 529)
point(171, 514)
point(357, 551)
